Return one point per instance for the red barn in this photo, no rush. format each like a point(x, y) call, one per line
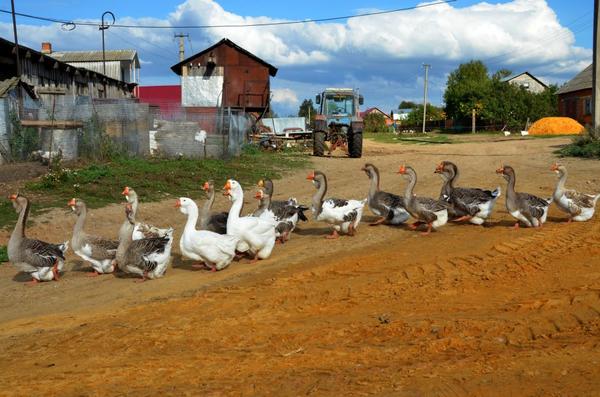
point(575, 97)
point(225, 75)
point(166, 97)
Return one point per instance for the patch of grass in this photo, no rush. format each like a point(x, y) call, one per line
point(99, 184)
point(3, 254)
point(582, 146)
point(420, 139)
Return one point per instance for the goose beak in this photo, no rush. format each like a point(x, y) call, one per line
point(125, 191)
point(12, 197)
point(177, 203)
point(554, 167)
point(227, 189)
point(402, 169)
point(500, 170)
point(439, 169)
point(71, 204)
point(311, 176)
point(205, 186)
point(258, 195)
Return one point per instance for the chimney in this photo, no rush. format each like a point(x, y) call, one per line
point(46, 48)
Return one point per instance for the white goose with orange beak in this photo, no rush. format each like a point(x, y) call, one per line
point(256, 235)
point(215, 251)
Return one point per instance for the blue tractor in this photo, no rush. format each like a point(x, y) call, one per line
point(338, 122)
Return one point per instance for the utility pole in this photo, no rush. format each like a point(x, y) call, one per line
point(596, 73)
point(14, 21)
point(427, 66)
point(181, 36)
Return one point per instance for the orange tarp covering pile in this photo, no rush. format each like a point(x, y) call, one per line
point(556, 126)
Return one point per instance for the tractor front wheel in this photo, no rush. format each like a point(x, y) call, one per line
point(319, 143)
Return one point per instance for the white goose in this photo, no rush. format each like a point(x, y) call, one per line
point(343, 215)
point(579, 206)
point(256, 235)
point(215, 250)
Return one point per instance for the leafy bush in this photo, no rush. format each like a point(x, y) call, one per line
point(22, 140)
point(375, 122)
point(585, 145)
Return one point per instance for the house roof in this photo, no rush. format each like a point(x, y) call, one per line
point(9, 84)
point(509, 78)
point(582, 81)
point(177, 67)
point(8, 47)
point(374, 109)
point(96, 56)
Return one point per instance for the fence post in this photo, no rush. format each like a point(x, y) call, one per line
point(473, 121)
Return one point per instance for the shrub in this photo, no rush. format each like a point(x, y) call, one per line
point(585, 145)
point(375, 122)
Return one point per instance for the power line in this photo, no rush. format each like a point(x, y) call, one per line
point(296, 22)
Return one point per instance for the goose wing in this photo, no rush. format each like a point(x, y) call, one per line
point(218, 223)
point(41, 254)
point(101, 248)
point(341, 210)
point(580, 200)
point(533, 205)
point(145, 252)
point(468, 200)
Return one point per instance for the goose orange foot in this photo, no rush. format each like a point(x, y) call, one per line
point(333, 235)
point(378, 221)
point(429, 226)
point(93, 274)
point(462, 218)
point(55, 271)
point(32, 282)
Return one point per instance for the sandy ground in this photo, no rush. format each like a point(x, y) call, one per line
point(468, 310)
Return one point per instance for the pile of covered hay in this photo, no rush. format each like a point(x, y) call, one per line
point(556, 126)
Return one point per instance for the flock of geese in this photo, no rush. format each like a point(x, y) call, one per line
point(215, 239)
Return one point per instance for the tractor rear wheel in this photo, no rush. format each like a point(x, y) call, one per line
point(319, 143)
point(355, 144)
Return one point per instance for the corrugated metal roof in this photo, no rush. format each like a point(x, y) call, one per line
point(580, 82)
point(7, 85)
point(94, 56)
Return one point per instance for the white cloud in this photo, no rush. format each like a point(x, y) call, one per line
point(284, 96)
point(381, 55)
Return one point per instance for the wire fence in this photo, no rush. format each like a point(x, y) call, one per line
point(81, 127)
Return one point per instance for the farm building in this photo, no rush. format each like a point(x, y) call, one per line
point(575, 97)
point(123, 65)
point(388, 119)
point(50, 77)
point(527, 81)
point(166, 99)
point(225, 75)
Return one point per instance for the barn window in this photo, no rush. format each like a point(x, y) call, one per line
point(587, 108)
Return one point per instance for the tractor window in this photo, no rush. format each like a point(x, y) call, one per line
point(339, 105)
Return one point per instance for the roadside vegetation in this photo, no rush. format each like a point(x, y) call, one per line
point(101, 183)
point(586, 145)
point(416, 138)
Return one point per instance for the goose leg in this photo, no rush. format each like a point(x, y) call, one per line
point(32, 282)
point(378, 221)
point(462, 218)
point(429, 226)
point(144, 275)
point(200, 265)
point(516, 226)
point(413, 226)
point(334, 234)
point(55, 271)
point(93, 274)
point(255, 259)
point(570, 220)
point(351, 230)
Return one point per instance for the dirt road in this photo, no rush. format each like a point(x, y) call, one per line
point(466, 311)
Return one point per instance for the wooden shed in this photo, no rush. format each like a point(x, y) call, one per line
point(225, 75)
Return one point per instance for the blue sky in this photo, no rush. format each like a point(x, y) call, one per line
point(382, 56)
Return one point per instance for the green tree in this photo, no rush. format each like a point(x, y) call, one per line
point(407, 105)
point(415, 117)
point(307, 110)
point(375, 122)
point(466, 90)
